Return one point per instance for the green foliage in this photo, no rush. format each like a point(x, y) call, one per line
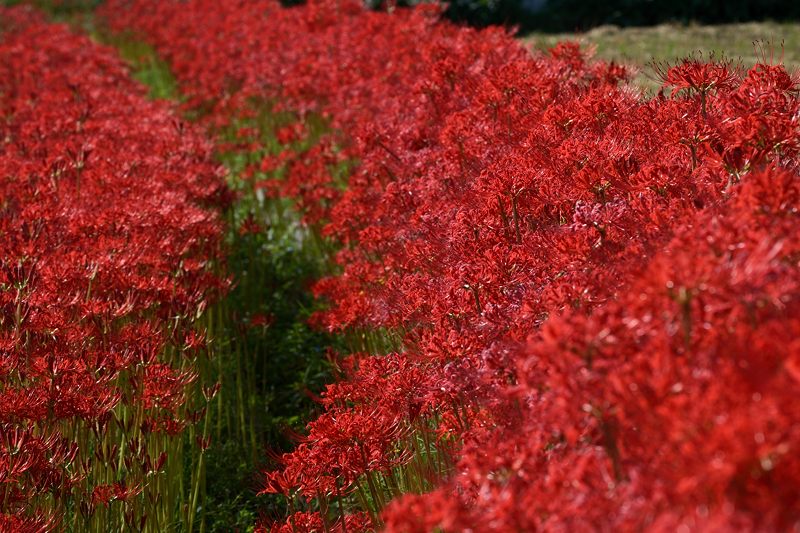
point(265, 370)
point(270, 362)
point(147, 68)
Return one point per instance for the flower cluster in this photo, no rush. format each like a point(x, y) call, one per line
point(109, 231)
point(596, 291)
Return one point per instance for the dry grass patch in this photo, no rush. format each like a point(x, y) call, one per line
point(667, 42)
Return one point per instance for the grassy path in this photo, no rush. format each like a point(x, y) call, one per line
point(267, 357)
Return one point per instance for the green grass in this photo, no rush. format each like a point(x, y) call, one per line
point(147, 68)
point(668, 42)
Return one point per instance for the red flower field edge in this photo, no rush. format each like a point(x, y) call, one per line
point(110, 233)
point(669, 407)
point(596, 290)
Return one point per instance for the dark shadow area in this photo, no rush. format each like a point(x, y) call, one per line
point(571, 15)
point(581, 15)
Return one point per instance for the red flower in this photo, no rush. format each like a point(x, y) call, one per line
point(595, 293)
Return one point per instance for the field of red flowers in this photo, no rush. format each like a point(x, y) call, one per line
point(592, 296)
point(109, 231)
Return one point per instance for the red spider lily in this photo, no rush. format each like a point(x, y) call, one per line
point(307, 522)
point(108, 229)
point(105, 493)
point(696, 75)
point(701, 77)
point(596, 290)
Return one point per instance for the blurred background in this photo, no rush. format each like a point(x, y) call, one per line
point(581, 15)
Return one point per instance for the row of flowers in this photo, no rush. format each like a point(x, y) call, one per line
point(109, 240)
point(596, 291)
